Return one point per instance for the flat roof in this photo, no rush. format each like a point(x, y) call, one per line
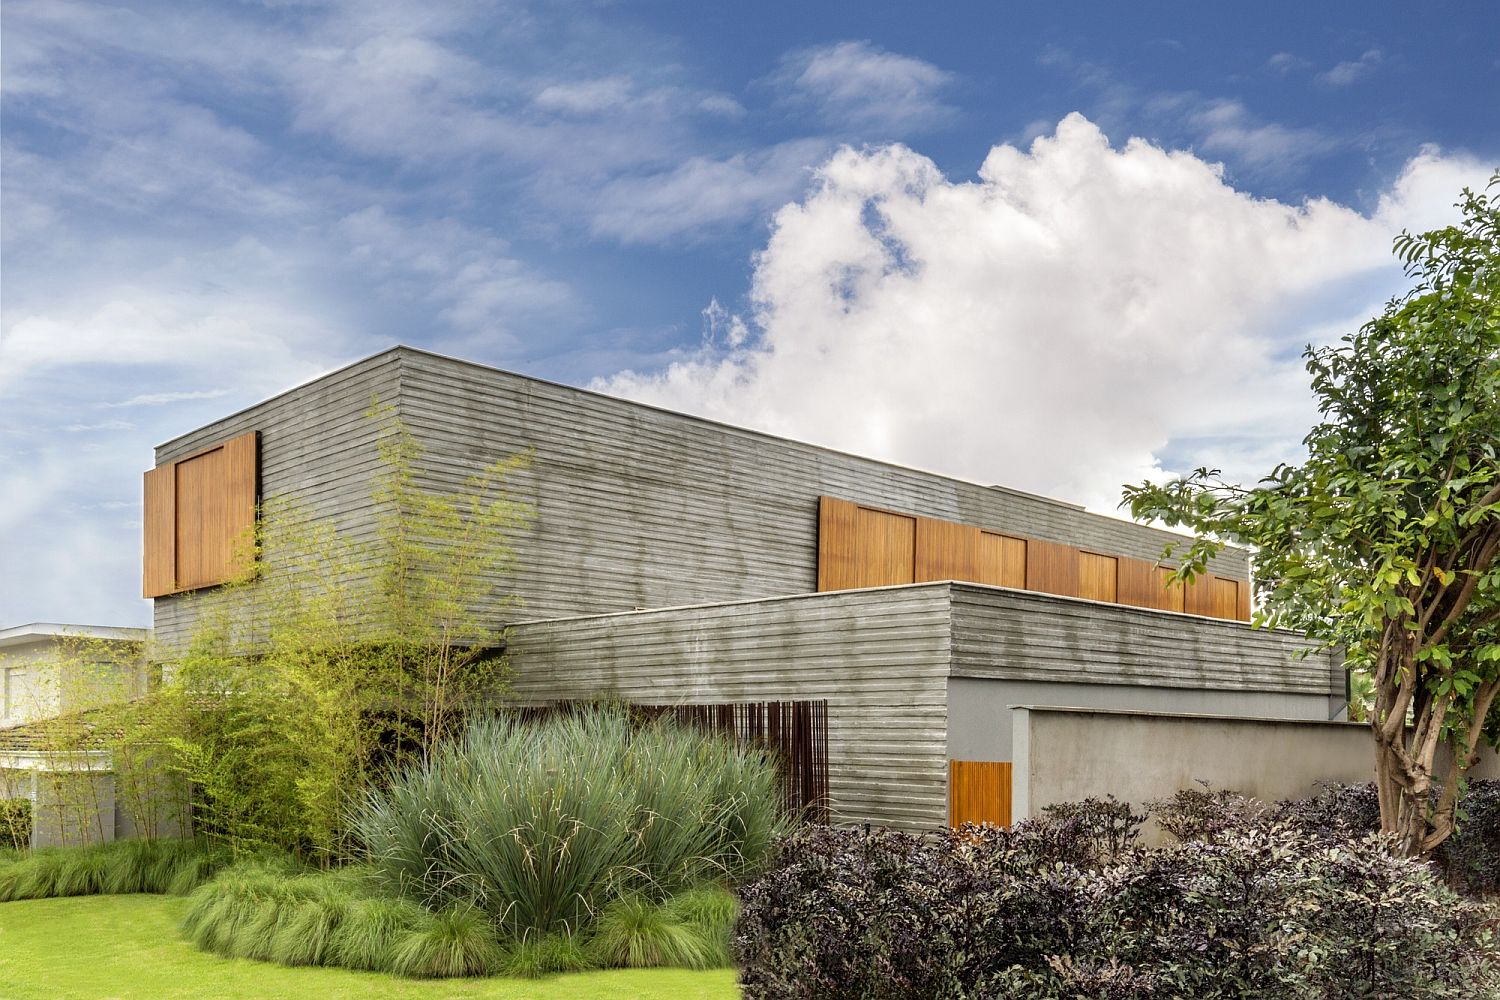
point(20, 635)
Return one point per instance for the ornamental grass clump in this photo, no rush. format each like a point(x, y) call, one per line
point(175, 867)
point(543, 824)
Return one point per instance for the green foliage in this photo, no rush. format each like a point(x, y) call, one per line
point(458, 941)
point(125, 866)
point(371, 929)
point(635, 933)
point(15, 823)
point(1384, 542)
point(338, 658)
point(710, 910)
point(543, 955)
point(543, 823)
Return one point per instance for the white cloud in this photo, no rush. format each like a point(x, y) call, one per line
point(702, 195)
point(1226, 128)
point(855, 85)
point(1058, 324)
point(163, 398)
point(1352, 70)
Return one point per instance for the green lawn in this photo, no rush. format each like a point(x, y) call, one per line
point(127, 947)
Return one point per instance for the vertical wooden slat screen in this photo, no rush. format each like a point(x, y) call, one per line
point(159, 572)
point(1051, 568)
point(1199, 596)
point(1002, 560)
point(837, 544)
point(946, 551)
point(979, 792)
point(1098, 577)
point(861, 546)
point(198, 515)
point(1226, 598)
point(888, 551)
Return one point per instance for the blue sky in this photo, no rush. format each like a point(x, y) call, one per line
point(1054, 246)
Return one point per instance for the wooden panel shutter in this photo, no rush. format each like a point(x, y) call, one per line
point(200, 517)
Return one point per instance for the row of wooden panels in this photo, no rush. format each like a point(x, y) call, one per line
point(861, 546)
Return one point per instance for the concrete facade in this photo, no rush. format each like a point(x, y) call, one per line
point(895, 665)
point(674, 560)
point(636, 507)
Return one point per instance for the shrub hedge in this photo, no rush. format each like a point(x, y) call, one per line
point(1469, 859)
point(1267, 912)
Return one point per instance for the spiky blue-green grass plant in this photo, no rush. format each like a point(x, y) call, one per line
point(542, 824)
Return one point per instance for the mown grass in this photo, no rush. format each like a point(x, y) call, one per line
point(129, 948)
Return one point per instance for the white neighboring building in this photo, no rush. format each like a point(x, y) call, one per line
point(47, 669)
point(57, 787)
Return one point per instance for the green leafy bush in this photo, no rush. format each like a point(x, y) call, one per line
point(15, 823)
point(543, 824)
point(161, 866)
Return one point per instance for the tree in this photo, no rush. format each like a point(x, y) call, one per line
point(336, 657)
point(1384, 541)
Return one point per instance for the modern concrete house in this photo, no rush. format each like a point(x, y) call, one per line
point(676, 561)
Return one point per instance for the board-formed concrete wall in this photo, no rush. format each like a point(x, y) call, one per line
point(887, 661)
point(636, 507)
point(1066, 754)
point(878, 657)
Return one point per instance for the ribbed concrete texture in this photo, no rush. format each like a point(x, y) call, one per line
point(889, 660)
point(636, 507)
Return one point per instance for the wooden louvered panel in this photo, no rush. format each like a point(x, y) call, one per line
point(837, 544)
point(1174, 595)
point(1137, 583)
point(946, 550)
point(1098, 577)
point(1242, 608)
point(1051, 568)
point(1002, 560)
point(1226, 598)
point(979, 792)
point(886, 548)
point(199, 518)
point(159, 569)
point(1199, 596)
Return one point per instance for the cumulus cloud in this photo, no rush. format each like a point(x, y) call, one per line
point(1059, 324)
point(858, 85)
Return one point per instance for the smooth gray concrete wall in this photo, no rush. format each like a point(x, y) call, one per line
point(1066, 754)
point(72, 808)
point(1001, 634)
point(879, 658)
point(637, 507)
point(979, 710)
